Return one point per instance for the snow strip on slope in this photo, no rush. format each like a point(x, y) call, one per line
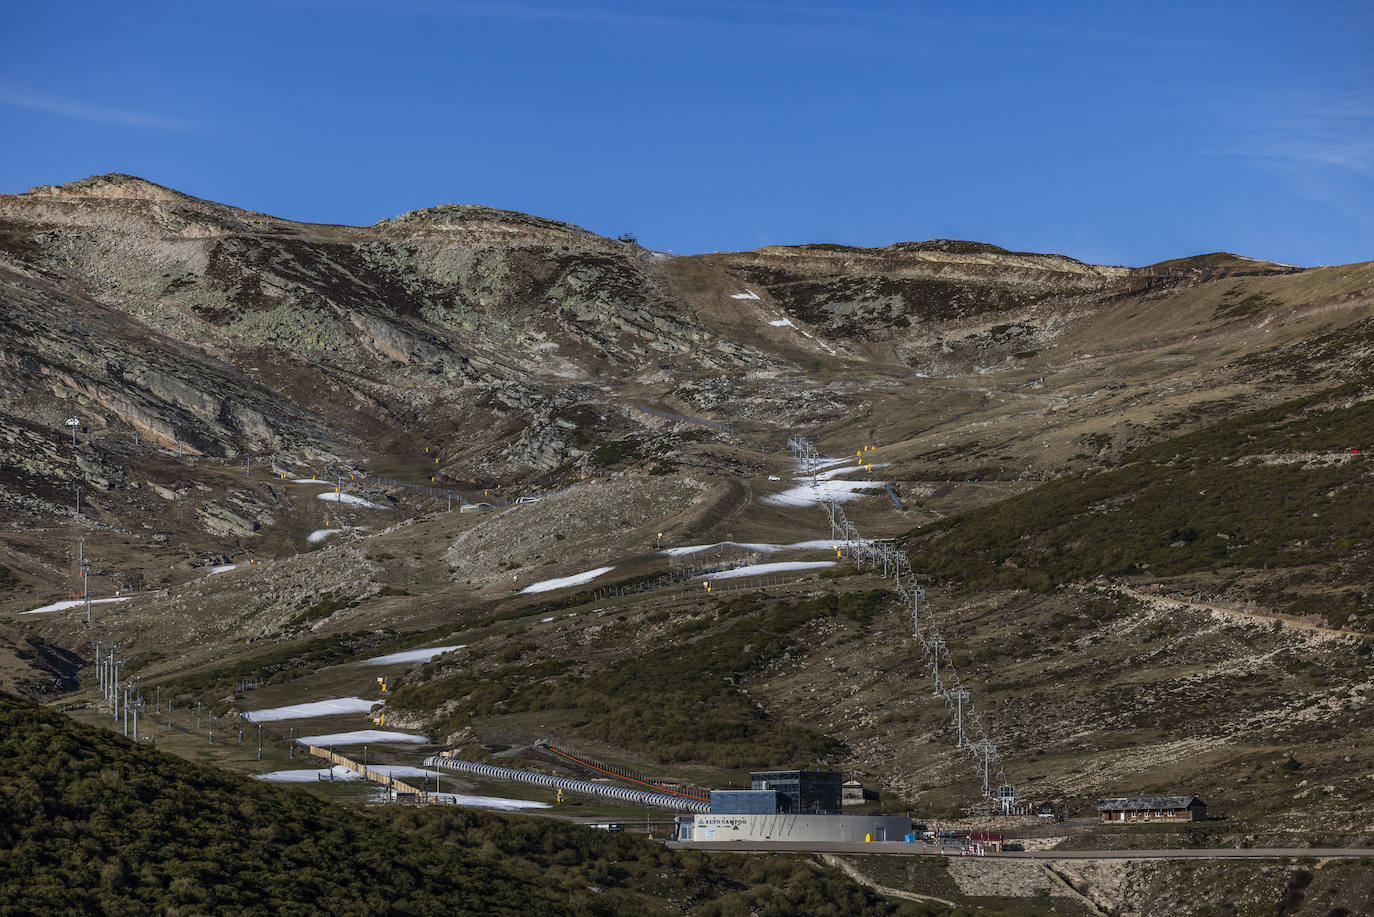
point(349, 498)
point(822, 544)
point(491, 802)
point(782, 323)
point(780, 567)
point(424, 655)
point(222, 568)
point(747, 294)
point(837, 472)
point(321, 534)
point(315, 708)
point(72, 603)
point(577, 579)
point(806, 495)
point(305, 775)
point(359, 736)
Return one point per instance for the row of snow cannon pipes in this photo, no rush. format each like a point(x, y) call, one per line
point(126, 700)
point(970, 733)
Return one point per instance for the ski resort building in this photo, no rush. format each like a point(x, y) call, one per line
point(1152, 808)
point(788, 806)
point(787, 827)
point(806, 792)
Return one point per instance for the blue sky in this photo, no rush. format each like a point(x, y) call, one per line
point(1115, 133)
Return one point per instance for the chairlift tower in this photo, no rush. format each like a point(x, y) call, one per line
point(937, 643)
point(989, 752)
point(959, 695)
point(916, 594)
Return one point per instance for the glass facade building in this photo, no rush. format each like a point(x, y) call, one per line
point(804, 792)
point(746, 802)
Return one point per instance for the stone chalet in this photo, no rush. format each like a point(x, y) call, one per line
point(1152, 808)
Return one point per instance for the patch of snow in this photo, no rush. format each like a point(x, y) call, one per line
point(577, 579)
point(292, 776)
point(310, 481)
point(359, 736)
point(491, 802)
point(315, 708)
point(321, 534)
point(821, 544)
point(72, 603)
point(350, 498)
point(545, 620)
point(424, 655)
point(806, 495)
point(921, 375)
point(787, 323)
point(820, 462)
point(747, 294)
point(405, 770)
point(836, 472)
point(339, 772)
point(222, 568)
point(781, 567)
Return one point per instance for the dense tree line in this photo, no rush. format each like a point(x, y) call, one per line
point(91, 823)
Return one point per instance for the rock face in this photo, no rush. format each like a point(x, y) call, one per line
point(220, 331)
point(948, 306)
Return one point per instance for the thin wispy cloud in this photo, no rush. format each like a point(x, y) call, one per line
point(1322, 147)
point(867, 29)
point(15, 96)
point(1305, 133)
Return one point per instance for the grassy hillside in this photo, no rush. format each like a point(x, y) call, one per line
point(675, 698)
point(95, 824)
point(1271, 489)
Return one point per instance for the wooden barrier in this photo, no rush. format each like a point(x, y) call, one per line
point(369, 774)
